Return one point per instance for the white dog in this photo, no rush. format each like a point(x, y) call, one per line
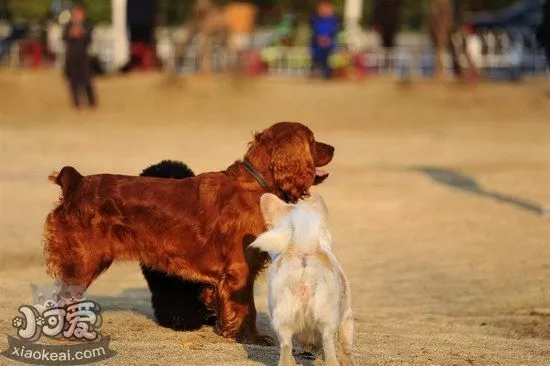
point(309, 296)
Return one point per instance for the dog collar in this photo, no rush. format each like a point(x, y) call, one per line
point(257, 176)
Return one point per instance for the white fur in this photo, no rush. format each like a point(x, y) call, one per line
point(309, 296)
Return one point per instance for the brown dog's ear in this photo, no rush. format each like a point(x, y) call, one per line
point(293, 168)
point(273, 209)
point(318, 203)
point(258, 136)
point(323, 153)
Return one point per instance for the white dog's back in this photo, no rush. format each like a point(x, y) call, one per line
point(309, 295)
point(305, 294)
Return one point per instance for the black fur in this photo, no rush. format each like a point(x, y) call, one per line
point(175, 301)
point(168, 169)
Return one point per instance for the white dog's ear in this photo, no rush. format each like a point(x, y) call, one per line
point(318, 203)
point(273, 209)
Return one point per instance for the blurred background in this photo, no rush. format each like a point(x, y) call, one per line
point(501, 39)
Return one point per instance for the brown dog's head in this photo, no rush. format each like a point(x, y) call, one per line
point(289, 157)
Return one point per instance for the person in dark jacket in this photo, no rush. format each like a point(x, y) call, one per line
point(543, 33)
point(77, 37)
point(386, 21)
point(324, 30)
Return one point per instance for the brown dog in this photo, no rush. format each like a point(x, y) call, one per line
point(196, 228)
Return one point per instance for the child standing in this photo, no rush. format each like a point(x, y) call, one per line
point(324, 31)
point(77, 37)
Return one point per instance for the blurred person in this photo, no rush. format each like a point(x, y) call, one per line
point(55, 41)
point(466, 46)
point(386, 21)
point(240, 19)
point(141, 16)
point(286, 29)
point(31, 47)
point(324, 30)
point(441, 21)
point(473, 52)
point(212, 31)
point(16, 33)
point(119, 36)
point(5, 12)
point(6, 34)
point(543, 34)
point(77, 36)
point(207, 25)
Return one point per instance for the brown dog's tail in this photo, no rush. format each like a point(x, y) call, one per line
point(68, 179)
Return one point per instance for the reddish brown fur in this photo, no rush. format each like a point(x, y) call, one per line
point(196, 228)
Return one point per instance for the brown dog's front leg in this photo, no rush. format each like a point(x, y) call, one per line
point(231, 314)
point(237, 313)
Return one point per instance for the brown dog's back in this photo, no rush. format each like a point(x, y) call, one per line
point(104, 217)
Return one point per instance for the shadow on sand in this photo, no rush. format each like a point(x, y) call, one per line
point(137, 300)
point(465, 183)
point(269, 355)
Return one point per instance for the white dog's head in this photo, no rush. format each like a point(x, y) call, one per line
point(302, 226)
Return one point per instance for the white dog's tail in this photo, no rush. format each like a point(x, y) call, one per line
point(299, 230)
point(274, 241)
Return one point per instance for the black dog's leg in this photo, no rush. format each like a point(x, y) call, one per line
point(178, 304)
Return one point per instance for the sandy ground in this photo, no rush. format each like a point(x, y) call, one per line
point(444, 270)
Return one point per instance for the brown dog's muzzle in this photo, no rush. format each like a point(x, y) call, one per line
point(323, 155)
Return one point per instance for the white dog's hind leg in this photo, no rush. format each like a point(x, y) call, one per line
point(285, 339)
point(329, 347)
point(345, 340)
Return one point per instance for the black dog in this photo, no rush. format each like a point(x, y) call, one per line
point(177, 303)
